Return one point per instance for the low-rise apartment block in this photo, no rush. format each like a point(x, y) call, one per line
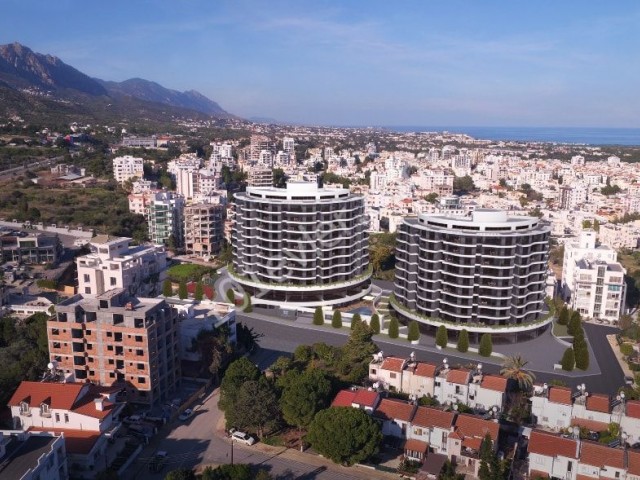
point(127, 167)
point(32, 456)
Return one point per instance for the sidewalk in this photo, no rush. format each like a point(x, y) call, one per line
point(616, 351)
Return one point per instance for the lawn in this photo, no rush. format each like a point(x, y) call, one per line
point(560, 330)
point(185, 272)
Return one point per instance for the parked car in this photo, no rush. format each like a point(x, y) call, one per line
point(242, 437)
point(131, 419)
point(157, 462)
point(186, 415)
point(628, 380)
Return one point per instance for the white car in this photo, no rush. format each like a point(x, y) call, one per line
point(186, 415)
point(242, 437)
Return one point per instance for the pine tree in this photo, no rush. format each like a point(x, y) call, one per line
point(442, 337)
point(568, 360)
point(336, 320)
point(318, 316)
point(563, 318)
point(414, 331)
point(375, 323)
point(394, 328)
point(581, 351)
point(463, 341)
point(199, 293)
point(486, 345)
point(167, 288)
point(182, 290)
point(355, 319)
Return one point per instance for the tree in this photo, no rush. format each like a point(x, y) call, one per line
point(563, 318)
point(182, 290)
point(167, 288)
point(374, 324)
point(304, 396)
point(181, 474)
point(463, 184)
point(345, 435)
point(431, 197)
point(355, 355)
point(486, 345)
point(394, 328)
point(237, 471)
point(463, 341)
point(442, 336)
point(513, 368)
point(357, 318)
point(586, 224)
point(490, 467)
point(239, 372)
point(318, 316)
point(231, 296)
point(581, 351)
point(568, 361)
point(256, 407)
point(199, 293)
point(248, 308)
point(336, 320)
point(575, 323)
point(414, 331)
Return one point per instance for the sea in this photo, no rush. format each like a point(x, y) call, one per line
point(573, 135)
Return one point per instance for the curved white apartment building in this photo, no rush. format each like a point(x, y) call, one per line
point(483, 273)
point(301, 245)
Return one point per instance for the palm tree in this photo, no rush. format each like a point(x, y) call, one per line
point(513, 368)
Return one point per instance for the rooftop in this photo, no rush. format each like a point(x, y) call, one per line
point(23, 455)
point(551, 445)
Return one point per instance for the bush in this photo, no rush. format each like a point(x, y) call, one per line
point(568, 361)
point(414, 331)
point(182, 291)
point(394, 328)
point(463, 341)
point(442, 337)
point(231, 296)
point(375, 323)
point(626, 349)
point(318, 316)
point(248, 308)
point(357, 318)
point(167, 288)
point(581, 351)
point(486, 345)
point(336, 320)
point(563, 317)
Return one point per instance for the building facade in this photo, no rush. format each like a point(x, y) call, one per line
point(302, 246)
point(30, 249)
point(127, 167)
point(204, 228)
point(118, 340)
point(485, 273)
point(164, 214)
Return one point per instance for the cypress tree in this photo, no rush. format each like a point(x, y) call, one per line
point(414, 331)
point(355, 319)
point(199, 293)
point(568, 360)
point(581, 351)
point(182, 290)
point(394, 328)
point(463, 341)
point(249, 307)
point(563, 318)
point(442, 337)
point(575, 323)
point(167, 288)
point(336, 320)
point(375, 323)
point(486, 345)
point(318, 316)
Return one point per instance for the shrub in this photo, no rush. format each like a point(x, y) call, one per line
point(231, 296)
point(486, 345)
point(336, 320)
point(414, 331)
point(47, 283)
point(581, 351)
point(182, 291)
point(626, 349)
point(318, 316)
point(442, 337)
point(249, 307)
point(568, 361)
point(375, 323)
point(463, 341)
point(167, 288)
point(394, 328)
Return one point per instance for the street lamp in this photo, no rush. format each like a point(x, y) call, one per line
point(231, 450)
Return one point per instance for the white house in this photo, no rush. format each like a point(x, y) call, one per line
point(552, 407)
point(552, 456)
point(395, 416)
point(430, 427)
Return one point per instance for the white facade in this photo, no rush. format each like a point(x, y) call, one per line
point(14, 461)
point(184, 171)
point(127, 167)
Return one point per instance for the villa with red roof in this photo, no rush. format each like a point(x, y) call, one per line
point(430, 426)
point(551, 455)
point(630, 421)
point(464, 441)
point(395, 416)
point(363, 399)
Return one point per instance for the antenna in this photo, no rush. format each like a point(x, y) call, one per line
point(412, 356)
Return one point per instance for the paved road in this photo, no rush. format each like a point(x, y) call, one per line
point(201, 441)
point(281, 338)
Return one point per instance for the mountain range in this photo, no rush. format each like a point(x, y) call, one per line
point(34, 84)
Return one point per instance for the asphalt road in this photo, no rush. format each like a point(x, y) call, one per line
point(200, 441)
point(282, 339)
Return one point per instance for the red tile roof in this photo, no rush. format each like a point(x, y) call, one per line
point(432, 417)
point(472, 442)
point(391, 409)
point(600, 455)
point(599, 402)
point(75, 441)
point(550, 445)
point(414, 445)
point(633, 462)
point(592, 425)
point(344, 398)
point(633, 408)
point(494, 382)
point(472, 426)
point(60, 396)
point(460, 376)
point(366, 398)
point(538, 473)
point(425, 370)
point(392, 364)
point(560, 395)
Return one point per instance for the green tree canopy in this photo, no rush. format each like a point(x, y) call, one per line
point(394, 328)
point(563, 317)
point(167, 288)
point(318, 316)
point(199, 293)
point(180, 474)
point(239, 372)
point(182, 290)
point(336, 320)
point(414, 331)
point(442, 337)
point(304, 396)
point(463, 341)
point(513, 368)
point(345, 435)
point(356, 353)
point(255, 408)
point(237, 471)
point(357, 318)
point(486, 345)
point(568, 361)
point(374, 324)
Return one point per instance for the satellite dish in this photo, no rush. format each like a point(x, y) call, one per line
point(50, 365)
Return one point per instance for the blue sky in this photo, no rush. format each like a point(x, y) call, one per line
point(454, 63)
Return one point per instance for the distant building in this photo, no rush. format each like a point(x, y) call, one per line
point(260, 177)
point(31, 249)
point(127, 167)
point(118, 340)
point(145, 142)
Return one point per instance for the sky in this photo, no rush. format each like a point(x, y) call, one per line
point(362, 63)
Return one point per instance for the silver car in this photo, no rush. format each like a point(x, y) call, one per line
point(242, 437)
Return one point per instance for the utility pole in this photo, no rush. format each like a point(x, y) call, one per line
point(231, 450)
